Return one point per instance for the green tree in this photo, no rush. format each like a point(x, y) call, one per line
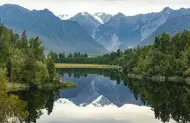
point(51, 66)
point(10, 106)
point(24, 40)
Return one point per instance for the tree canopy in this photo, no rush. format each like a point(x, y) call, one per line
point(24, 59)
point(168, 56)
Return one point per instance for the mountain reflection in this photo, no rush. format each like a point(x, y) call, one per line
point(36, 101)
point(96, 89)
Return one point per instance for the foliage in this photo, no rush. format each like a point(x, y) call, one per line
point(36, 101)
point(169, 100)
point(24, 59)
point(168, 56)
point(79, 58)
point(12, 109)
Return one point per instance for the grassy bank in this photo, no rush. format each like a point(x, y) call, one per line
point(61, 85)
point(87, 66)
point(18, 86)
point(161, 78)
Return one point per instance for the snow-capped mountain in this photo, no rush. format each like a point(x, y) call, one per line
point(87, 21)
point(57, 35)
point(102, 17)
point(64, 16)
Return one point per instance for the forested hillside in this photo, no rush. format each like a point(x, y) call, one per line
point(23, 60)
point(169, 56)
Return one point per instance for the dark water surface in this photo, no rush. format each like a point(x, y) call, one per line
point(107, 96)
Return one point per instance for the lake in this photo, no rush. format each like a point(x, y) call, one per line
point(107, 96)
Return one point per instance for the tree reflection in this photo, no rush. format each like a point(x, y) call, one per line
point(168, 100)
point(12, 109)
point(113, 74)
point(36, 101)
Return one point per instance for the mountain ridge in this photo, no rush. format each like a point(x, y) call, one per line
point(87, 21)
point(129, 31)
point(56, 34)
point(89, 34)
point(172, 26)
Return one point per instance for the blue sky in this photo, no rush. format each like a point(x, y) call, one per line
point(128, 7)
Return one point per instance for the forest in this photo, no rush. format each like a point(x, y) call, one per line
point(168, 56)
point(21, 61)
point(78, 58)
point(24, 60)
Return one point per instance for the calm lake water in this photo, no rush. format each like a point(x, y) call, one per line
point(104, 96)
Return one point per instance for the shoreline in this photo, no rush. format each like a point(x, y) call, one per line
point(10, 87)
point(160, 78)
point(98, 66)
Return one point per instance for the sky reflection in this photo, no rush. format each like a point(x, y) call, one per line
point(66, 112)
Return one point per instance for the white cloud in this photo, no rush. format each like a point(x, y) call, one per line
point(128, 7)
point(70, 113)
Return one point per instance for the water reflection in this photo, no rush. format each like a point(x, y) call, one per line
point(66, 112)
point(36, 101)
point(107, 96)
point(168, 100)
point(78, 73)
point(95, 89)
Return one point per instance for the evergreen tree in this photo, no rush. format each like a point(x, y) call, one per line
point(51, 66)
point(24, 41)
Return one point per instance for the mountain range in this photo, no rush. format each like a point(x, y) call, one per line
point(129, 31)
point(172, 26)
point(122, 32)
point(97, 33)
point(87, 21)
point(56, 34)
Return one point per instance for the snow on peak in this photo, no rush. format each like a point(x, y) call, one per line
point(64, 101)
point(64, 16)
point(99, 13)
point(85, 13)
point(101, 101)
point(98, 19)
point(102, 17)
